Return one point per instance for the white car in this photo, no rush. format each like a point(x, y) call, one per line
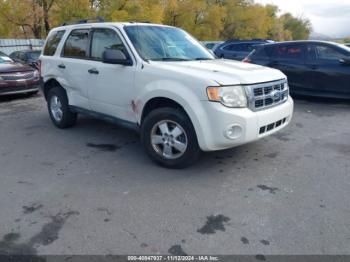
point(162, 82)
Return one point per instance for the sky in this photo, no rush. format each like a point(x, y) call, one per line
point(328, 17)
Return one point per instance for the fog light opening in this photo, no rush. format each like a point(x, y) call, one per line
point(234, 132)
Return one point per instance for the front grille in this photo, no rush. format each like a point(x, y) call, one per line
point(269, 127)
point(17, 76)
point(267, 95)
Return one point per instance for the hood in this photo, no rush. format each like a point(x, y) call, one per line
point(14, 67)
point(225, 72)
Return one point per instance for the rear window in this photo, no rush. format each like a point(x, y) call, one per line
point(76, 45)
point(52, 42)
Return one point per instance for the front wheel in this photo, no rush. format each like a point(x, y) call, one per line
point(169, 138)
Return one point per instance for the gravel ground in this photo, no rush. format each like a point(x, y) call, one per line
point(92, 190)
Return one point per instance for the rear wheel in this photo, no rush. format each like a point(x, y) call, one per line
point(169, 138)
point(60, 114)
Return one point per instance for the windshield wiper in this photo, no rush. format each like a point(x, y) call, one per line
point(204, 58)
point(170, 59)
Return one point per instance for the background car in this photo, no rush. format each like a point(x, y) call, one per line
point(212, 45)
point(16, 78)
point(238, 49)
point(348, 44)
point(313, 68)
point(29, 57)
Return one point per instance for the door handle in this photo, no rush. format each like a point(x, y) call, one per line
point(313, 67)
point(62, 66)
point(93, 71)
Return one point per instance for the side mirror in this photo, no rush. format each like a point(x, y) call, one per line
point(115, 56)
point(345, 61)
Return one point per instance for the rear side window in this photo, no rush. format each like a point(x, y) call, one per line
point(292, 52)
point(52, 42)
point(76, 45)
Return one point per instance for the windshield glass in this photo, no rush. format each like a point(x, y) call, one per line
point(160, 43)
point(4, 58)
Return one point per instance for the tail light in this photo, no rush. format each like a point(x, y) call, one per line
point(246, 60)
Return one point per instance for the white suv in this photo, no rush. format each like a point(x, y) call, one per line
point(161, 81)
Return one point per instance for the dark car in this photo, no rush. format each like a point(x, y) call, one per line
point(16, 78)
point(348, 44)
point(313, 68)
point(237, 49)
point(29, 57)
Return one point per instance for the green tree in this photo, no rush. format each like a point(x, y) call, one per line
point(299, 27)
point(205, 19)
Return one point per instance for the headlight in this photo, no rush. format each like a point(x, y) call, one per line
point(1, 78)
point(36, 74)
point(230, 96)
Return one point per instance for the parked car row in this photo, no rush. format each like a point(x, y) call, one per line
point(16, 78)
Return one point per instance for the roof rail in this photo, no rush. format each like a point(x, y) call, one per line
point(85, 21)
point(144, 22)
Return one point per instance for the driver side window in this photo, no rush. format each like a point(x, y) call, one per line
point(103, 39)
point(327, 53)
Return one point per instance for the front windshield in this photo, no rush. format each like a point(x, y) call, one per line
point(4, 58)
point(160, 43)
point(346, 48)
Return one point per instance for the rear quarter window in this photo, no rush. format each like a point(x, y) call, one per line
point(52, 42)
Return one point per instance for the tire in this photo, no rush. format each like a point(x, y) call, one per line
point(172, 128)
point(57, 104)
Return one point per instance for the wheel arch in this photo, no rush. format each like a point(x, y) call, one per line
point(49, 84)
point(193, 108)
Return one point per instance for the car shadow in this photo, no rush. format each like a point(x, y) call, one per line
point(321, 100)
point(9, 98)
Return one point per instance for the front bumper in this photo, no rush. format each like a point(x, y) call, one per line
point(18, 87)
point(248, 126)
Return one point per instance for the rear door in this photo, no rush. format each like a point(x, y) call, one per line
point(74, 65)
point(290, 59)
point(329, 75)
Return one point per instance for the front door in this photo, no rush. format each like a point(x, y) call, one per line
point(111, 87)
point(329, 75)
